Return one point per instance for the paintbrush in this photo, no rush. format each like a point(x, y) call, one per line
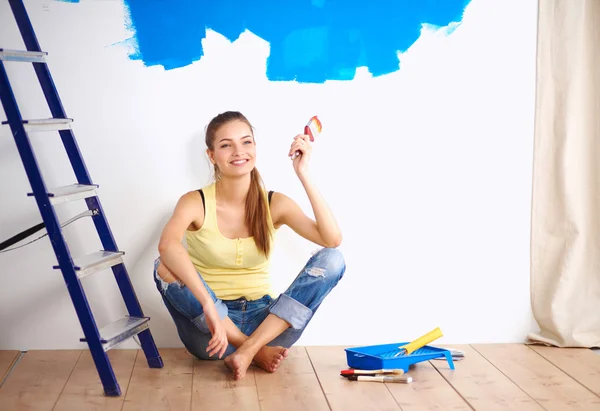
point(384, 378)
point(312, 129)
point(419, 342)
point(352, 371)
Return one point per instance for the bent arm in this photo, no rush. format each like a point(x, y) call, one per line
point(174, 255)
point(324, 231)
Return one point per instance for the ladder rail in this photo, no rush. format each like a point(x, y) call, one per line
point(61, 250)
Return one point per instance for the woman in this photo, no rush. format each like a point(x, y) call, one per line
point(218, 290)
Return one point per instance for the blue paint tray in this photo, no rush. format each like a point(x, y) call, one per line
point(375, 357)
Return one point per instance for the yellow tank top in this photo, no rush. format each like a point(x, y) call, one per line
point(232, 268)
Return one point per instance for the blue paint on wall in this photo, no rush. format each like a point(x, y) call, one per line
point(311, 40)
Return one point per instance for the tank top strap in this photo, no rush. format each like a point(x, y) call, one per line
point(268, 196)
point(210, 204)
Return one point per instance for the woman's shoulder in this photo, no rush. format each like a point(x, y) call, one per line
point(193, 196)
point(190, 210)
point(192, 203)
point(279, 205)
point(277, 197)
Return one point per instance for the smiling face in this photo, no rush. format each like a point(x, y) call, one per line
point(233, 150)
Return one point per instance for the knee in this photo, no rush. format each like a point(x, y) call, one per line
point(200, 353)
point(330, 261)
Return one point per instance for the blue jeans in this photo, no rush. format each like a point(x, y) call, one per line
point(296, 305)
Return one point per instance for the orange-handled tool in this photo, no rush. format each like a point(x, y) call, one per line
point(419, 342)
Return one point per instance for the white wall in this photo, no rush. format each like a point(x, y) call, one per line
point(427, 169)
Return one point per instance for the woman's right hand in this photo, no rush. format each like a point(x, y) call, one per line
point(218, 343)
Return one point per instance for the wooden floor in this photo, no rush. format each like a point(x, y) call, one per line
point(491, 377)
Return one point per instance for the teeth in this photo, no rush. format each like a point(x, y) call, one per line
point(239, 161)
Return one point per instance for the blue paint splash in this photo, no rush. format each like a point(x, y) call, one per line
point(311, 40)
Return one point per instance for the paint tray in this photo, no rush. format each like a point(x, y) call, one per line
point(375, 357)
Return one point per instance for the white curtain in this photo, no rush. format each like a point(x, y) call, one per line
point(565, 237)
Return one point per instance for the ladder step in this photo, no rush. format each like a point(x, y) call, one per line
point(70, 193)
point(121, 330)
point(23, 56)
point(98, 261)
point(46, 124)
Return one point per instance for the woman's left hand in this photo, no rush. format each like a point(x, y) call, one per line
point(302, 144)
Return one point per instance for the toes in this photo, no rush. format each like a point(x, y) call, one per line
point(275, 364)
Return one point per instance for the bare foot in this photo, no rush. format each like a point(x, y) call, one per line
point(269, 358)
point(238, 363)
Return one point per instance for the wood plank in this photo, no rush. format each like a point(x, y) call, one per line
point(7, 359)
point(293, 384)
point(428, 391)
point(483, 386)
point(167, 388)
point(346, 395)
point(543, 381)
point(37, 380)
point(84, 389)
point(581, 364)
point(215, 389)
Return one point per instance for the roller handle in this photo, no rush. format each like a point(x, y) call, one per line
point(421, 341)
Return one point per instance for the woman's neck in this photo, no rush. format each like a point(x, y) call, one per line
point(233, 190)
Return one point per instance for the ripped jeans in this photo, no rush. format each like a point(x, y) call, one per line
point(296, 305)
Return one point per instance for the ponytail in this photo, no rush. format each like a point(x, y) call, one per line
point(256, 213)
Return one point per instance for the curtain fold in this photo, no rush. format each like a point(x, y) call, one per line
point(565, 232)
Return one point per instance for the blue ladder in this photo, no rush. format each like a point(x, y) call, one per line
point(73, 269)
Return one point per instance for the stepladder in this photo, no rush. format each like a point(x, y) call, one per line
point(73, 268)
